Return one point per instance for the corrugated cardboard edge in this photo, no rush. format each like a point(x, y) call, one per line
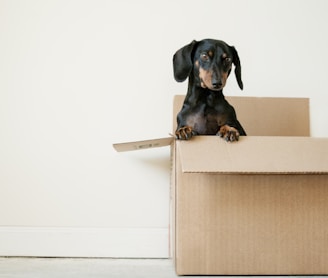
point(172, 224)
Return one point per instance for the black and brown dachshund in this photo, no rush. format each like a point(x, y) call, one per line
point(205, 111)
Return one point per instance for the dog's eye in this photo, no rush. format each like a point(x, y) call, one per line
point(227, 61)
point(204, 56)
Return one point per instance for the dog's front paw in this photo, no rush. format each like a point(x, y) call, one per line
point(184, 133)
point(228, 133)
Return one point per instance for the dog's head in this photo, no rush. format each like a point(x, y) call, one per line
point(209, 61)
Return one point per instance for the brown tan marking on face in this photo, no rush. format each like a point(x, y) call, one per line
point(224, 77)
point(197, 64)
point(205, 78)
point(210, 53)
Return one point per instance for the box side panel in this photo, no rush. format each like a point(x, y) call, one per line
point(273, 116)
point(251, 224)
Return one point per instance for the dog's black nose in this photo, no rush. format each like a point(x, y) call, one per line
point(216, 84)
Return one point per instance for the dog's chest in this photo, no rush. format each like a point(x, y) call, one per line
point(205, 120)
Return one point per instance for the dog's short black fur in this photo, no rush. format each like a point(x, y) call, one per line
point(205, 111)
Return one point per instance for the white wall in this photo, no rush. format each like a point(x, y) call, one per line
point(77, 76)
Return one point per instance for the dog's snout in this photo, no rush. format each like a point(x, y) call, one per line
point(216, 83)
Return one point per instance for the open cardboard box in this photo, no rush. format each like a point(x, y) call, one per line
point(258, 206)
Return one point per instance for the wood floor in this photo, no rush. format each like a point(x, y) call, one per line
point(88, 268)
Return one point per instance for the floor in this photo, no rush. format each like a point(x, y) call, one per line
point(91, 268)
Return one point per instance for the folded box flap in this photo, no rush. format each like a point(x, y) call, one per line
point(145, 144)
point(252, 154)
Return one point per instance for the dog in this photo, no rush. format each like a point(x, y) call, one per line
point(207, 65)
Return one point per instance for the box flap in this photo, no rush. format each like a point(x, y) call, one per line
point(252, 154)
point(145, 144)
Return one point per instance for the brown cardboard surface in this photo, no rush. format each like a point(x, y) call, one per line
point(254, 154)
point(273, 116)
point(251, 224)
point(266, 116)
point(254, 207)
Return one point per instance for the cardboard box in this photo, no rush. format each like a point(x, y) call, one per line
point(254, 207)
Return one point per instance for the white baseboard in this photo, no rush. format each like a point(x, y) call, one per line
point(84, 242)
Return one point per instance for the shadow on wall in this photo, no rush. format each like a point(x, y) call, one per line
point(155, 159)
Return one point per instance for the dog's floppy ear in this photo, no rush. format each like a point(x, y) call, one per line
point(236, 62)
point(182, 62)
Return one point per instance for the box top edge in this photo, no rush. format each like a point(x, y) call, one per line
point(254, 155)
